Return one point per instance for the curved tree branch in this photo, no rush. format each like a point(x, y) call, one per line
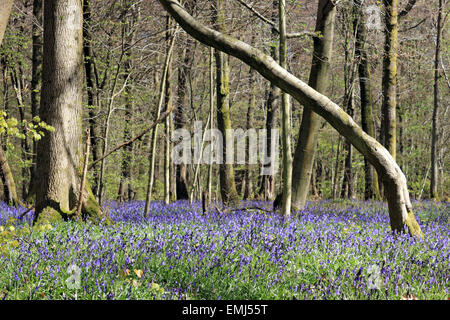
point(400, 208)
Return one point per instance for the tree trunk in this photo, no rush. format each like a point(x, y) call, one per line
point(390, 76)
point(184, 72)
point(168, 106)
point(226, 171)
point(371, 180)
point(128, 24)
point(9, 187)
point(248, 188)
point(336, 169)
point(90, 84)
point(318, 79)
point(211, 113)
point(59, 153)
point(285, 119)
point(348, 190)
point(36, 76)
point(273, 101)
point(434, 130)
point(400, 208)
point(154, 135)
point(5, 10)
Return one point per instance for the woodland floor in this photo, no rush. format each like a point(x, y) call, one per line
point(331, 250)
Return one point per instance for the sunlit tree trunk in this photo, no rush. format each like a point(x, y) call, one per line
point(285, 118)
point(318, 79)
point(390, 76)
point(59, 153)
point(5, 10)
point(6, 178)
point(168, 105)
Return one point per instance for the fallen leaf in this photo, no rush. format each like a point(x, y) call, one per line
point(139, 273)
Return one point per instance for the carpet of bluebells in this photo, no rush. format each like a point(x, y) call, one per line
point(330, 250)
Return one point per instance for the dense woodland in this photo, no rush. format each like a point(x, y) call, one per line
point(142, 76)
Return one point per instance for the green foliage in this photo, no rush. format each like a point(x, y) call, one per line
point(34, 129)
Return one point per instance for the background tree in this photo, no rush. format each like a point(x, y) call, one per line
point(319, 80)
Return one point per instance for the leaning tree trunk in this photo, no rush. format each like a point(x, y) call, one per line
point(318, 79)
point(400, 208)
point(59, 153)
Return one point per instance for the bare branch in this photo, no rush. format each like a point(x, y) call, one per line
point(407, 9)
point(139, 136)
point(270, 22)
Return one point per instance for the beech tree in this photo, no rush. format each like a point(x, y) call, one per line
point(226, 170)
point(59, 153)
point(318, 79)
point(400, 208)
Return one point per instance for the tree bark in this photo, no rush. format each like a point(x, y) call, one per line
point(226, 171)
point(371, 190)
point(168, 106)
point(90, 86)
point(211, 113)
point(318, 79)
point(36, 76)
point(273, 101)
point(434, 136)
point(9, 187)
point(5, 11)
point(59, 153)
point(184, 73)
point(248, 188)
point(400, 208)
point(285, 119)
point(390, 76)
